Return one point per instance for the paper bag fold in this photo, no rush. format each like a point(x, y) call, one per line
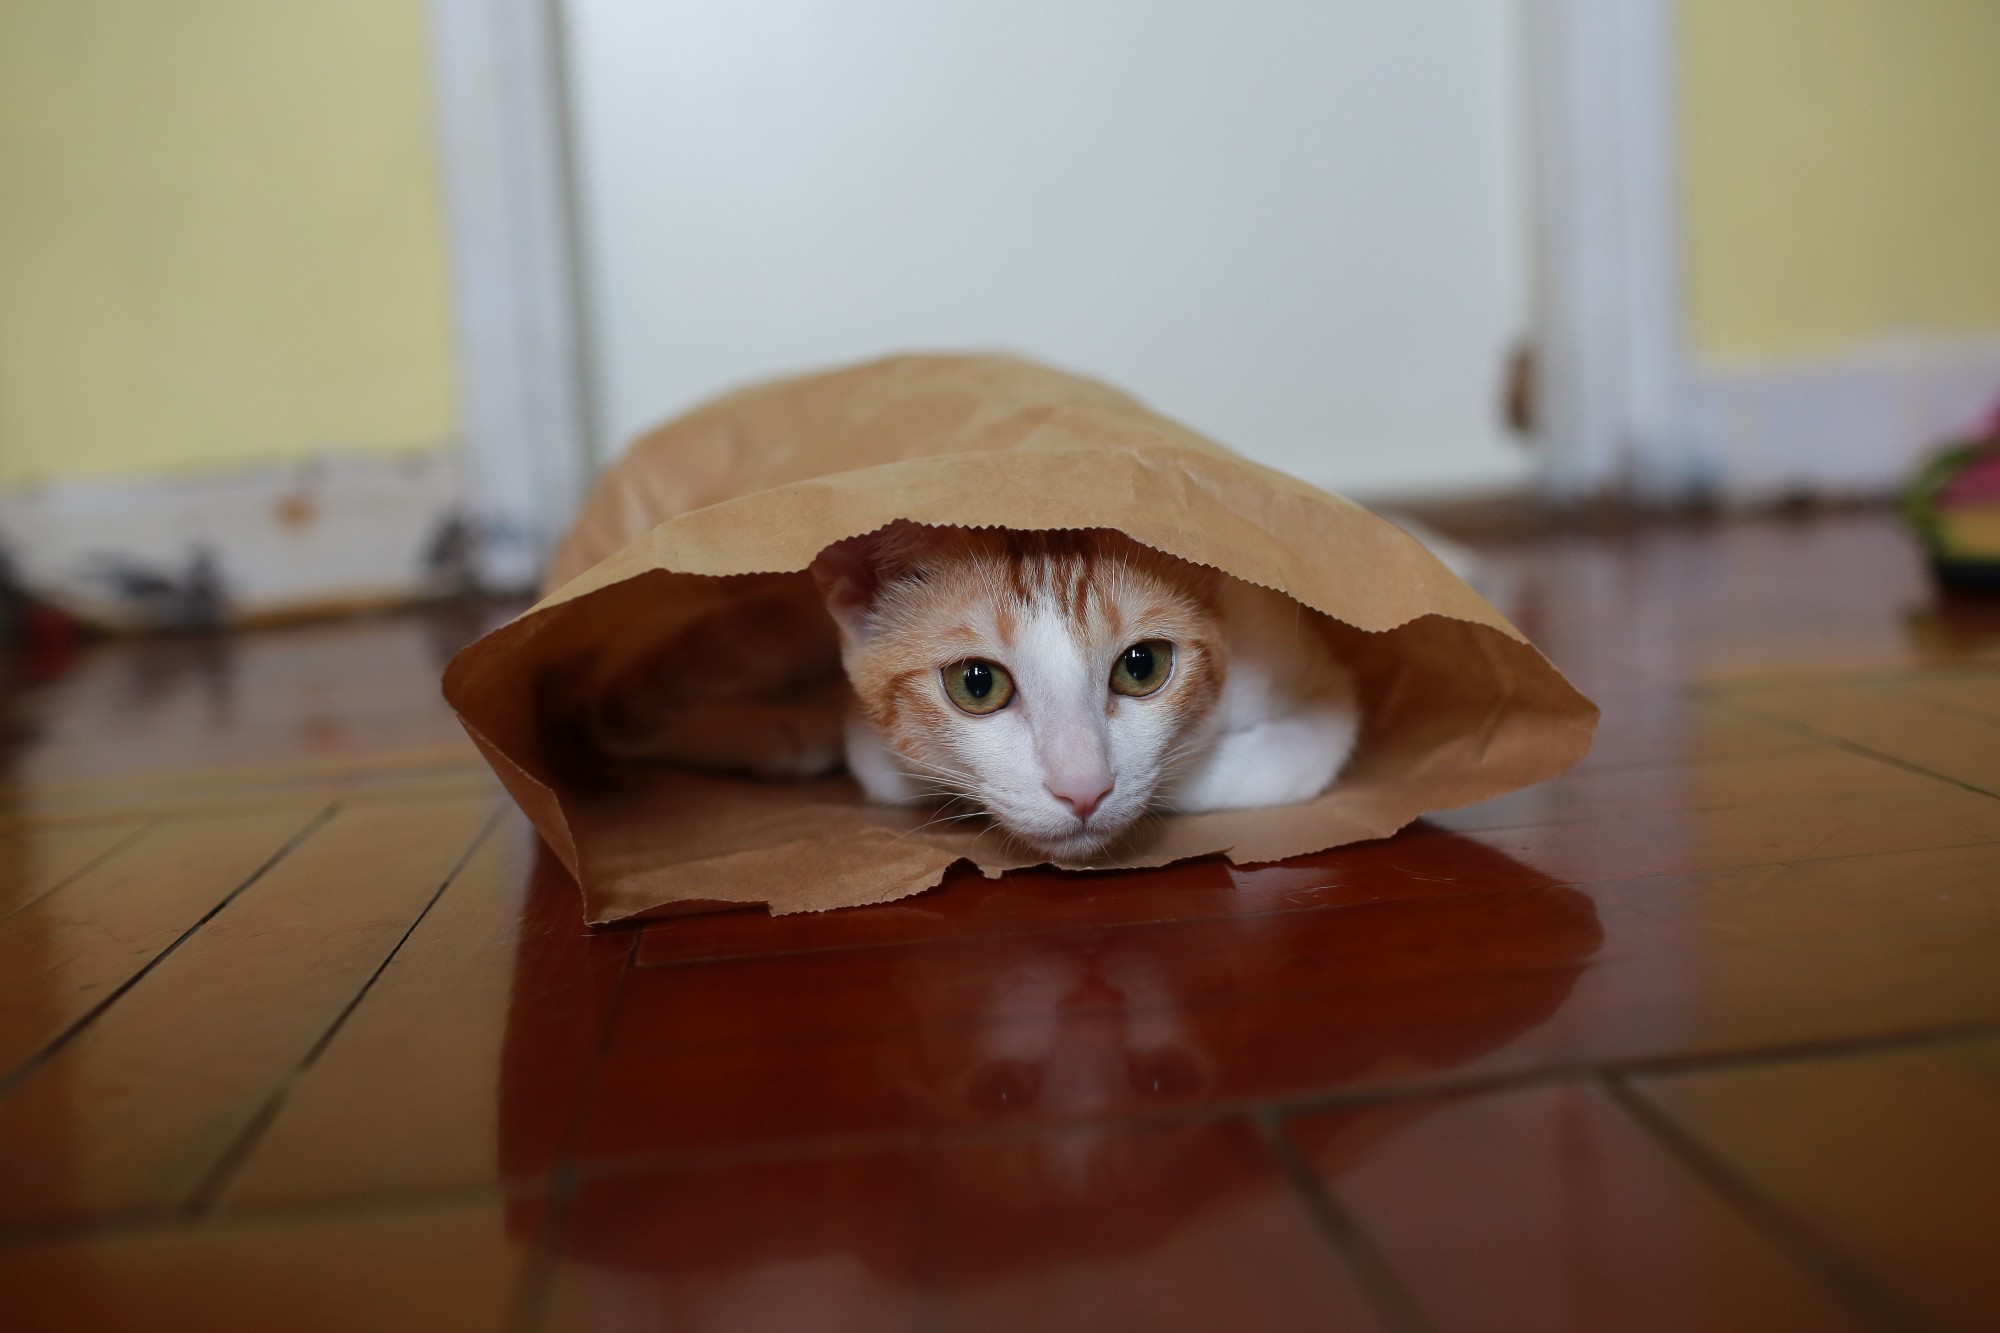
point(718, 504)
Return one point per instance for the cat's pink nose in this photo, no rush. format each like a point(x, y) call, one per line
point(1082, 797)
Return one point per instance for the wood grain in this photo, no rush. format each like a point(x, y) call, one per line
point(35, 859)
point(70, 951)
point(1548, 1209)
point(409, 1096)
point(134, 1113)
point(1890, 1158)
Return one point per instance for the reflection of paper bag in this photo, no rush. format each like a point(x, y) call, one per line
point(1457, 706)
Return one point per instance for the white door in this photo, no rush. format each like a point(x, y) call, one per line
point(1296, 224)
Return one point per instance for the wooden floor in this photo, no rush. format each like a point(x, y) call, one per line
point(298, 1031)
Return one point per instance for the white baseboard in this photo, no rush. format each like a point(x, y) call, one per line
point(348, 528)
point(1847, 425)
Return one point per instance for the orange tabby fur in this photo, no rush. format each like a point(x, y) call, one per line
point(1104, 584)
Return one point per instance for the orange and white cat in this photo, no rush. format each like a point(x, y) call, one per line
point(1067, 683)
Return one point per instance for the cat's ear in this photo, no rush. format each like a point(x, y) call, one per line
point(850, 575)
point(847, 581)
point(1208, 586)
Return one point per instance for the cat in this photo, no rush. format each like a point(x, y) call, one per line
point(1064, 683)
point(1069, 682)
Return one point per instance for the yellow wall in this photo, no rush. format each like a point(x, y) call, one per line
point(1843, 172)
point(221, 239)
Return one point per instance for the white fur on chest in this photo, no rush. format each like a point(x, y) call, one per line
point(1287, 719)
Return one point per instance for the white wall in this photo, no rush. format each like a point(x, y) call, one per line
point(1298, 225)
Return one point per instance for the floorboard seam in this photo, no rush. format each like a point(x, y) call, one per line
point(1950, 709)
point(1853, 747)
point(272, 1213)
point(73, 876)
point(571, 1175)
point(202, 1199)
point(1796, 1239)
point(528, 1307)
point(1448, 1088)
point(1372, 1272)
point(1806, 680)
point(27, 1067)
point(477, 840)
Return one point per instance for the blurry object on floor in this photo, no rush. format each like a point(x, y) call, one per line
point(473, 556)
point(36, 638)
point(451, 561)
point(1953, 503)
point(1954, 629)
point(147, 596)
point(15, 601)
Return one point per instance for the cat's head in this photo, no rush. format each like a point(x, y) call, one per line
point(1051, 677)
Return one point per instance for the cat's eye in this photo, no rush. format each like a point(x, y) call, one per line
point(1143, 668)
point(978, 686)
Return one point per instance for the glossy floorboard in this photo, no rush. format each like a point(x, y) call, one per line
point(299, 1030)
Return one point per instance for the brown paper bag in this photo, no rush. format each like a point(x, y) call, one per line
point(735, 499)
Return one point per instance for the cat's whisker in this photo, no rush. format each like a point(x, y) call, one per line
point(945, 812)
point(1011, 842)
point(945, 819)
point(951, 819)
point(1146, 818)
point(949, 796)
point(946, 798)
point(910, 760)
point(1172, 763)
point(918, 769)
point(947, 789)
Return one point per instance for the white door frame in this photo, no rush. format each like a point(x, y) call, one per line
point(1612, 364)
point(522, 354)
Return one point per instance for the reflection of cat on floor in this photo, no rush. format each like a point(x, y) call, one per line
point(1069, 1034)
point(1065, 683)
point(995, 1108)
